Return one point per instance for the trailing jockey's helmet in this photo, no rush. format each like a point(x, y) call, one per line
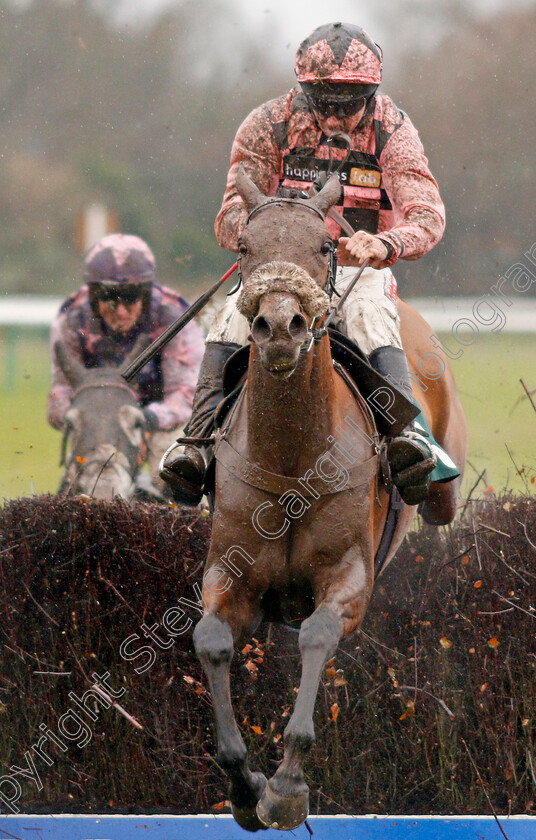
point(122, 267)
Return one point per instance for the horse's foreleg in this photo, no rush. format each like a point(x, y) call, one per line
point(285, 801)
point(213, 641)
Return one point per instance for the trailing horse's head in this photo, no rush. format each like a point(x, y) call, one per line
point(104, 425)
point(286, 252)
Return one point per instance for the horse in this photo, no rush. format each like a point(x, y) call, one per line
point(300, 503)
point(105, 426)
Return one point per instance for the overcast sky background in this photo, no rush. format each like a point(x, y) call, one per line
point(280, 25)
point(296, 19)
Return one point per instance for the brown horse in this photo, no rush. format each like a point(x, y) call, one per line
point(299, 506)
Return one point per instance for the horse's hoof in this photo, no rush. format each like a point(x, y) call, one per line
point(247, 818)
point(283, 812)
point(245, 814)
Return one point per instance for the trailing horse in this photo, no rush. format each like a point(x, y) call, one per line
point(105, 427)
point(300, 502)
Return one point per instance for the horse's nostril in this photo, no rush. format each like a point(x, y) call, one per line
point(261, 330)
point(298, 328)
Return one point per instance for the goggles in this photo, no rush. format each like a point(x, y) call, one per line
point(127, 295)
point(331, 99)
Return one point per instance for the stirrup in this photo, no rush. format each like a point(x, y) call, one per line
point(183, 467)
point(411, 461)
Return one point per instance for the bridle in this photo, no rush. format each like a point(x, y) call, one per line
point(329, 285)
point(87, 385)
point(275, 200)
point(83, 466)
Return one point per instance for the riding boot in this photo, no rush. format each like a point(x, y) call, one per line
point(410, 456)
point(184, 466)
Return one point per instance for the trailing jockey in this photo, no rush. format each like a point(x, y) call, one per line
point(100, 324)
point(388, 196)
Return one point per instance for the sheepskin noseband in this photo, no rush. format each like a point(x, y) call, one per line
point(280, 276)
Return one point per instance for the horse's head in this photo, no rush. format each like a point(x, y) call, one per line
point(285, 251)
point(105, 426)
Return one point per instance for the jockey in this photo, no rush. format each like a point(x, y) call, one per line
point(100, 323)
point(388, 196)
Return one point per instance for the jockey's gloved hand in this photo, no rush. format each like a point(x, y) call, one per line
point(151, 420)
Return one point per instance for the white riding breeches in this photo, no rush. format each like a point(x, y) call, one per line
point(369, 316)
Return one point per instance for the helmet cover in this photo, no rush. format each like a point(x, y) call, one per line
point(120, 259)
point(339, 52)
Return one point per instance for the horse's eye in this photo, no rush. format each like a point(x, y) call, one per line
point(326, 248)
point(242, 248)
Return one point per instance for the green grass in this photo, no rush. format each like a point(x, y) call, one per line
point(501, 420)
point(30, 447)
point(499, 414)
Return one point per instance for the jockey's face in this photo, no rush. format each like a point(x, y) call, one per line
point(120, 317)
point(120, 308)
point(339, 123)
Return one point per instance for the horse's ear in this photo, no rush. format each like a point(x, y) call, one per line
point(248, 190)
point(72, 367)
point(329, 195)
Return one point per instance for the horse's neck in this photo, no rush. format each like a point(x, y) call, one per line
point(289, 421)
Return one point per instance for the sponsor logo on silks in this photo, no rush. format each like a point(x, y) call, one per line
point(301, 173)
point(357, 177)
point(361, 170)
point(365, 177)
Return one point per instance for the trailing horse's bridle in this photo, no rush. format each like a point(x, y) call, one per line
point(122, 385)
point(66, 433)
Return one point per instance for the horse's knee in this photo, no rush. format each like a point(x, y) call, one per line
point(213, 640)
point(321, 631)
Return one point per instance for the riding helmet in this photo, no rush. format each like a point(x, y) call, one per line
point(339, 52)
point(120, 259)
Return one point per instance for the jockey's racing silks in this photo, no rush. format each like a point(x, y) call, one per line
point(386, 183)
point(360, 176)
